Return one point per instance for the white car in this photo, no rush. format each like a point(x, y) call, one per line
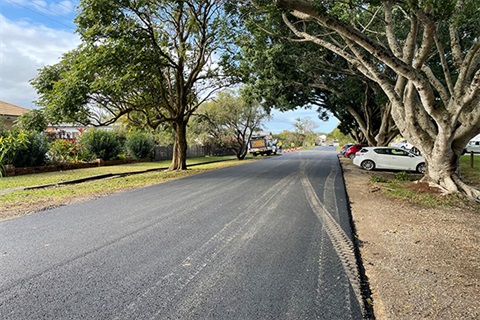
point(472, 146)
point(393, 158)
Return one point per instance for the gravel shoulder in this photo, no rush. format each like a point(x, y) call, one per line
point(421, 262)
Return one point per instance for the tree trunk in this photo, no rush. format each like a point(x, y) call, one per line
point(442, 165)
point(179, 160)
point(242, 152)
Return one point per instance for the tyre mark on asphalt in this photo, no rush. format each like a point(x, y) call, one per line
point(243, 236)
point(7, 292)
point(329, 194)
point(207, 193)
point(177, 279)
point(342, 244)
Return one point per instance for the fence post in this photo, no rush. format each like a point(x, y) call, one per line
point(471, 159)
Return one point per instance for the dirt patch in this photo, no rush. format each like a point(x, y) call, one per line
point(422, 262)
point(424, 187)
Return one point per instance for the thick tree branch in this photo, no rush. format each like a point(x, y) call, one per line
point(389, 28)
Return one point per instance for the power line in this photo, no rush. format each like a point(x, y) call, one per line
point(61, 4)
point(43, 15)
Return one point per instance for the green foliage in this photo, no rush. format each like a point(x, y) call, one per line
point(34, 121)
point(103, 144)
point(287, 75)
point(2, 126)
point(402, 176)
point(139, 144)
point(10, 144)
point(229, 121)
point(374, 179)
point(337, 135)
point(288, 137)
point(35, 153)
point(305, 129)
point(63, 151)
point(165, 135)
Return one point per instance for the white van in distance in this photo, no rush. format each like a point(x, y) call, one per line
point(473, 145)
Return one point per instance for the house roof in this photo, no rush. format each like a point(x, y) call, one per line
point(8, 109)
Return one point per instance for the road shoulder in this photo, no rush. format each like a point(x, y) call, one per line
point(421, 262)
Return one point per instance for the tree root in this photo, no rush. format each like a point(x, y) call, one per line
point(443, 190)
point(456, 186)
point(469, 191)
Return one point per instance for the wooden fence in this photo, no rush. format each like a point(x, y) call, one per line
point(166, 152)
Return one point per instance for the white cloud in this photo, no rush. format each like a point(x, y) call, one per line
point(24, 48)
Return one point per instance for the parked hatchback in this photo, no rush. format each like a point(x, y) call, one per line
point(392, 158)
point(350, 153)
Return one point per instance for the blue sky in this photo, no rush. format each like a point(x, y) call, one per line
point(35, 33)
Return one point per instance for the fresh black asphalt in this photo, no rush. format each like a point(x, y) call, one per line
point(269, 239)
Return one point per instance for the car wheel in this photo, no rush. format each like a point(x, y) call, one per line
point(368, 165)
point(351, 156)
point(422, 167)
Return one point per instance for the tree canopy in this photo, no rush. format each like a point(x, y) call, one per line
point(152, 61)
point(425, 57)
point(230, 120)
point(286, 74)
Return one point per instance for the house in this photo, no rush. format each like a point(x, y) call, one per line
point(64, 130)
point(9, 113)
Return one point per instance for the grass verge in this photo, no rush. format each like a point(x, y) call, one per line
point(422, 194)
point(60, 176)
point(22, 202)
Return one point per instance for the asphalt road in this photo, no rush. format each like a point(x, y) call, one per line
point(264, 240)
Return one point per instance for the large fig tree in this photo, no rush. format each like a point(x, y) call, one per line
point(432, 48)
point(285, 73)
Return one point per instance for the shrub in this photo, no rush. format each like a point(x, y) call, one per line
point(402, 176)
point(10, 144)
point(103, 144)
point(35, 153)
point(63, 151)
point(374, 179)
point(139, 144)
point(33, 121)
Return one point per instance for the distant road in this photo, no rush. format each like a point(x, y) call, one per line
point(269, 239)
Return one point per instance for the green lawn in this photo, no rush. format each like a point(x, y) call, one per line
point(16, 203)
point(470, 175)
point(60, 176)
